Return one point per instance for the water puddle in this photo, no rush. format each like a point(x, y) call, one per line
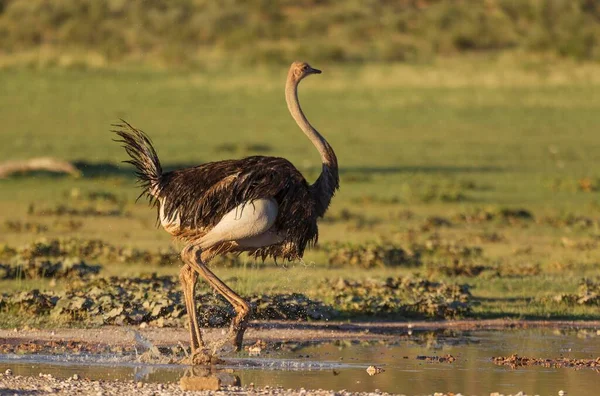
point(411, 364)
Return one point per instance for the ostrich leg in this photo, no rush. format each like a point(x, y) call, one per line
point(246, 225)
point(239, 324)
point(188, 277)
point(193, 257)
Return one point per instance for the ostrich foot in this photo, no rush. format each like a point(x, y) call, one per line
point(202, 357)
point(237, 339)
point(237, 330)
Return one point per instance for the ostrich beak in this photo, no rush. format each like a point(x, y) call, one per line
point(315, 71)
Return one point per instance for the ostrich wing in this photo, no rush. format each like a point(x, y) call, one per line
point(202, 196)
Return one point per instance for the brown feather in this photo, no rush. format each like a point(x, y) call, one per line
point(202, 195)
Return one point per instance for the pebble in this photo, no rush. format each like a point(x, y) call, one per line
point(49, 384)
point(254, 351)
point(372, 370)
point(37, 385)
point(521, 393)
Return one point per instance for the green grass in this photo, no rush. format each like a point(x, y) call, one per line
point(436, 141)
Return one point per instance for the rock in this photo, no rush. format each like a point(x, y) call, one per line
point(200, 383)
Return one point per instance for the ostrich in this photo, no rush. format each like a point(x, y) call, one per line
point(261, 205)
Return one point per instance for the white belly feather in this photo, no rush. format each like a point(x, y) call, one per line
point(249, 225)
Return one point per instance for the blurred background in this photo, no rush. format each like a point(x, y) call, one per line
point(467, 135)
point(197, 33)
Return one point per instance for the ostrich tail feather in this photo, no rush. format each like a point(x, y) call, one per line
point(143, 156)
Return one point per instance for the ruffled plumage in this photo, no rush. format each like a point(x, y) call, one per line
point(200, 196)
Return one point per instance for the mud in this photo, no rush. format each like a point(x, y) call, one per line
point(515, 361)
point(272, 331)
point(437, 359)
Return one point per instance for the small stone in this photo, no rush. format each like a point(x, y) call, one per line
point(143, 325)
point(8, 372)
point(75, 376)
point(372, 370)
point(561, 393)
point(254, 350)
point(139, 385)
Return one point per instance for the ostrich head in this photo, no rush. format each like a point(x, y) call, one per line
point(299, 70)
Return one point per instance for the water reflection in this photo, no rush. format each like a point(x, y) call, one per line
point(213, 378)
point(342, 365)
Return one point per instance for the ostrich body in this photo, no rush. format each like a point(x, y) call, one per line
point(261, 205)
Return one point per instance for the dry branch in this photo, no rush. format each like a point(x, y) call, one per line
point(9, 168)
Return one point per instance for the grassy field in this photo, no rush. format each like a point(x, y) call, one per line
point(446, 154)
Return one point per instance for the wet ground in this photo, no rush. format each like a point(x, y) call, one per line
point(409, 361)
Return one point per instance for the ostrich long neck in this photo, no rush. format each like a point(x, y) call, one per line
point(324, 187)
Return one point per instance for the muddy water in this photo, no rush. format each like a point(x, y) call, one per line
point(343, 365)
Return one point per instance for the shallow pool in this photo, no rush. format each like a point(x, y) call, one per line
point(342, 365)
